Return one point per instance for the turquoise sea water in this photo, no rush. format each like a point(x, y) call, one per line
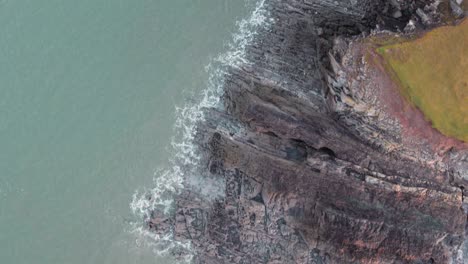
point(88, 91)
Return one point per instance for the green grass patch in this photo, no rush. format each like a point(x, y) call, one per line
point(433, 74)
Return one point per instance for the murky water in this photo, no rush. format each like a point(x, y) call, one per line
point(88, 96)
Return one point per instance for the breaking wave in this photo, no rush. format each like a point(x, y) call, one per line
point(169, 183)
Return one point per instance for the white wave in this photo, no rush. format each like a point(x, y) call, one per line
point(168, 183)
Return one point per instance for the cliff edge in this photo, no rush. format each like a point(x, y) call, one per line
point(320, 159)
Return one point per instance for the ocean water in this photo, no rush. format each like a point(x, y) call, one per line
point(90, 95)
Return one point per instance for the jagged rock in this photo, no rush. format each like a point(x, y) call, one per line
point(320, 172)
point(424, 17)
point(410, 26)
point(397, 14)
point(456, 8)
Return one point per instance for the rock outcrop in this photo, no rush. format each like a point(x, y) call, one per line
point(315, 169)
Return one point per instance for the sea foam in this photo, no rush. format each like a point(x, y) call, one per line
point(170, 182)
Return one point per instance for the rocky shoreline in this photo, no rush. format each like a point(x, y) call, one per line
point(317, 162)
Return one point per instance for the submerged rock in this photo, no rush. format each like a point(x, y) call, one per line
point(318, 169)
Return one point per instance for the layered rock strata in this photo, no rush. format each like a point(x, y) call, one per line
point(315, 165)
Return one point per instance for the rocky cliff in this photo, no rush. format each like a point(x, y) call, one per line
point(317, 163)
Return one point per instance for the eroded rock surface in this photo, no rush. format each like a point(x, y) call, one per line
point(314, 169)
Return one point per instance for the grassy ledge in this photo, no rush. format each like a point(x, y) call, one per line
point(433, 74)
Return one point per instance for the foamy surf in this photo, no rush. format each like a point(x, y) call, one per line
point(169, 183)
